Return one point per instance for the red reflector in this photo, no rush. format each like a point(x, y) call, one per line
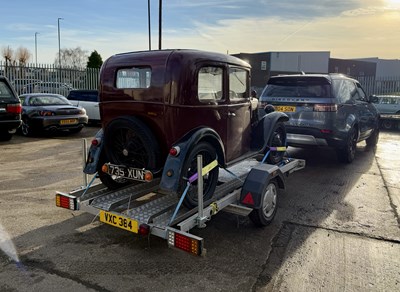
point(248, 199)
point(144, 229)
point(325, 108)
point(14, 108)
point(326, 131)
point(95, 142)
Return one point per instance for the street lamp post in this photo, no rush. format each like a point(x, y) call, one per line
point(36, 33)
point(59, 43)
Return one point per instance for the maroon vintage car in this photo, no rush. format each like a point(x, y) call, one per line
point(160, 109)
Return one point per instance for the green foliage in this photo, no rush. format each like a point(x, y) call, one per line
point(94, 60)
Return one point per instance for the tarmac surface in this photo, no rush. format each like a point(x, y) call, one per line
point(337, 229)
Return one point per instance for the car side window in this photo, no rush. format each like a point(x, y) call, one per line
point(238, 86)
point(342, 90)
point(134, 77)
point(209, 84)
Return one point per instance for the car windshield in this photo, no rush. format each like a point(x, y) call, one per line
point(297, 87)
point(48, 100)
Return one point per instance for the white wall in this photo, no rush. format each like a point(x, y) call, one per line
point(308, 62)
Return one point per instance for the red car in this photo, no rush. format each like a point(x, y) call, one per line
point(160, 109)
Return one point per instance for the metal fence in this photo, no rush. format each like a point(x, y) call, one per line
point(383, 85)
point(23, 76)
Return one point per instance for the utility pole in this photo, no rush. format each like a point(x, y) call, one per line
point(36, 33)
point(159, 24)
point(59, 43)
point(148, 16)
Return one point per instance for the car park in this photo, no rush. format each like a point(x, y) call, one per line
point(324, 110)
point(10, 110)
point(89, 100)
point(160, 109)
point(45, 112)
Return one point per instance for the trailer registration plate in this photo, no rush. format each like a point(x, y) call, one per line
point(119, 221)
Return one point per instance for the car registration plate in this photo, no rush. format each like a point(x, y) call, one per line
point(69, 122)
point(119, 221)
point(127, 172)
point(285, 108)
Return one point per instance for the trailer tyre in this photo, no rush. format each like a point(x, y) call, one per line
point(190, 167)
point(264, 216)
point(277, 139)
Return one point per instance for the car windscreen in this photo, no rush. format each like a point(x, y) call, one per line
point(43, 100)
point(6, 94)
point(297, 87)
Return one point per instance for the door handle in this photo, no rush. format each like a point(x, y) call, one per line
point(231, 114)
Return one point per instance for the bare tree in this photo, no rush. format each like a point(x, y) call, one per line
point(8, 54)
point(72, 58)
point(22, 55)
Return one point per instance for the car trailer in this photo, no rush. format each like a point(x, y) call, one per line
point(249, 188)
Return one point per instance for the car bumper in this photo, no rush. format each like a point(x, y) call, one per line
point(304, 137)
point(59, 123)
point(10, 125)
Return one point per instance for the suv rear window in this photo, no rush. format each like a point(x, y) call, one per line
point(6, 94)
point(298, 87)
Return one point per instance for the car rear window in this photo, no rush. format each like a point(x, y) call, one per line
point(134, 77)
point(297, 87)
point(6, 95)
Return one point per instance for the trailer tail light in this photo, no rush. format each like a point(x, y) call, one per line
point(325, 107)
point(144, 229)
point(174, 151)
point(66, 201)
point(186, 242)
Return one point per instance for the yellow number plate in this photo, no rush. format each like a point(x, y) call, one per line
point(119, 221)
point(69, 122)
point(285, 108)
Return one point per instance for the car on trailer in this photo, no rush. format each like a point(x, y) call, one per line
point(160, 109)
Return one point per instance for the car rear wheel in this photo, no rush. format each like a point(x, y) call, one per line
point(387, 124)
point(129, 142)
point(348, 152)
point(190, 168)
point(372, 140)
point(277, 139)
point(25, 128)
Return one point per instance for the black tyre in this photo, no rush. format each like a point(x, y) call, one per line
point(372, 140)
point(387, 124)
point(277, 139)
point(5, 135)
point(76, 130)
point(130, 142)
point(264, 216)
point(25, 129)
point(190, 167)
point(348, 152)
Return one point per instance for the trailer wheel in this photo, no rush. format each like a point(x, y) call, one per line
point(264, 216)
point(277, 139)
point(130, 142)
point(190, 167)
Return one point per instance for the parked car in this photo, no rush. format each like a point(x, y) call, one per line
point(48, 87)
point(387, 104)
point(160, 109)
point(20, 84)
point(324, 110)
point(50, 112)
point(10, 110)
point(89, 100)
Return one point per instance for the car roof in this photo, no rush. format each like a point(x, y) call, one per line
point(328, 76)
point(40, 94)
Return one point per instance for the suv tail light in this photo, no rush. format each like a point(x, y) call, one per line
point(14, 108)
point(325, 107)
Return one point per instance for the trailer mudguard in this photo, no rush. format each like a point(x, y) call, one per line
point(253, 189)
point(94, 154)
point(173, 166)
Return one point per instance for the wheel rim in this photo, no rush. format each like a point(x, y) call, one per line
point(352, 144)
point(24, 128)
point(269, 203)
point(128, 149)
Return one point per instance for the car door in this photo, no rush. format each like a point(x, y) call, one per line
point(238, 114)
point(367, 113)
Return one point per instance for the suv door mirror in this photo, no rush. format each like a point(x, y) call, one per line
point(373, 99)
point(253, 94)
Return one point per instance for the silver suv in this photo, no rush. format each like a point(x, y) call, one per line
point(324, 110)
